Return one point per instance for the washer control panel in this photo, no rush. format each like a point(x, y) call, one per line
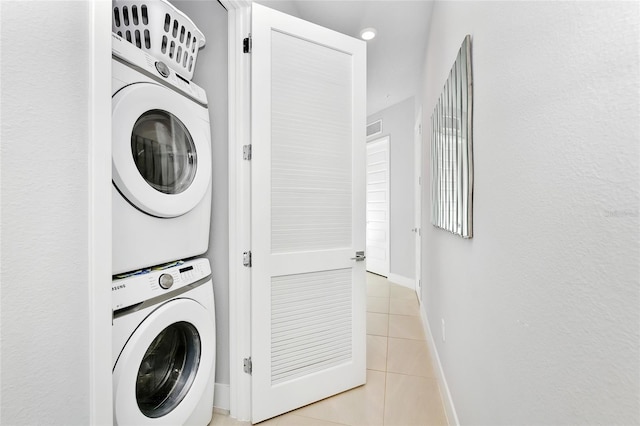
point(139, 286)
point(155, 68)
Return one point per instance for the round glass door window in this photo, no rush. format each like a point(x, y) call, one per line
point(168, 369)
point(163, 151)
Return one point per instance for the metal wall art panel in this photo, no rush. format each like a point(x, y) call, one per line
point(452, 149)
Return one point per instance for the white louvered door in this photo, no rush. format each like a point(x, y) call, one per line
point(308, 213)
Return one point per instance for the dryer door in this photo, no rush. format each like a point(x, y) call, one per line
point(161, 149)
point(163, 370)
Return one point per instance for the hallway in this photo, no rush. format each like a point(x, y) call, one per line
point(401, 384)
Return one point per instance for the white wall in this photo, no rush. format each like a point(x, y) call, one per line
point(44, 312)
point(45, 318)
point(211, 74)
point(541, 306)
point(397, 123)
point(286, 6)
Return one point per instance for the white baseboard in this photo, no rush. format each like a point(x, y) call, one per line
point(403, 281)
point(222, 396)
point(449, 408)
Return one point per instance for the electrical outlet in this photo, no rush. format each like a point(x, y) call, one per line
point(444, 336)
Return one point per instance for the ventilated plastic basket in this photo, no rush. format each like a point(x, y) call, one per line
point(159, 28)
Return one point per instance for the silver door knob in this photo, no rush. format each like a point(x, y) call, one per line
point(359, 256)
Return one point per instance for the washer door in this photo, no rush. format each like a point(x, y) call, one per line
point(161, 154)
point(165, 367)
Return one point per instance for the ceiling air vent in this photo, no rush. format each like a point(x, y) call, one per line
point(374, 128)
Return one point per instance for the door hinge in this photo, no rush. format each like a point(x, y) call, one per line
point(246, 44)
point(246, 259)
point(248, 365)
point(246, 152)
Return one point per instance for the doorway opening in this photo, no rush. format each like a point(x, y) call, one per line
point(378, 206)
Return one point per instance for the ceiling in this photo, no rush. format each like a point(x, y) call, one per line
point(394, 57)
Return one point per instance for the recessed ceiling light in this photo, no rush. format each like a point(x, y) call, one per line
point(368, 33)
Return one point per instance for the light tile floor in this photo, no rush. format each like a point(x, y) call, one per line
point(401, 384)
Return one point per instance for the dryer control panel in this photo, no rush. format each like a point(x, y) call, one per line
point(155, 68)
point(146, 284)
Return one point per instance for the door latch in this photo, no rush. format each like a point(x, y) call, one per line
point(359, 256)
point(248, 365)
point(246, 259)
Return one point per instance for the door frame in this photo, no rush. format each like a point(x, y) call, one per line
point(239, 107)
point(239, 75)
point(99, 219)
point(417, 201)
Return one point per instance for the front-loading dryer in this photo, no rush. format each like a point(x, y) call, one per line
point(161, 162)
point(164, 346)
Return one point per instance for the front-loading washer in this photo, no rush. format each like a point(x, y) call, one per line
point(161, 162)
point(164, 346)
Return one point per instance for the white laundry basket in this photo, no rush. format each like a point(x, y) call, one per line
point(159, 28)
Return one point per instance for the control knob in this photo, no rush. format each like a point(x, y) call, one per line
point(165, 281)
point(163, 69)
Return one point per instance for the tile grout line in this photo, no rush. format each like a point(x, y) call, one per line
point(386, 357)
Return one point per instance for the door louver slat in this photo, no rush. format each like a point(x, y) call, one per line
point(310, 323)
point(311, 163)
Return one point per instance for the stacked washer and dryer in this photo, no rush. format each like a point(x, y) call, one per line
point(162, 293)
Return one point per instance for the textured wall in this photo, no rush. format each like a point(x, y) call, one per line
point(44, 175)
point(397, 123)
point(541, 306)
point(211, 74)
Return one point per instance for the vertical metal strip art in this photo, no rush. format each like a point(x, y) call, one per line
point(452, 149)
